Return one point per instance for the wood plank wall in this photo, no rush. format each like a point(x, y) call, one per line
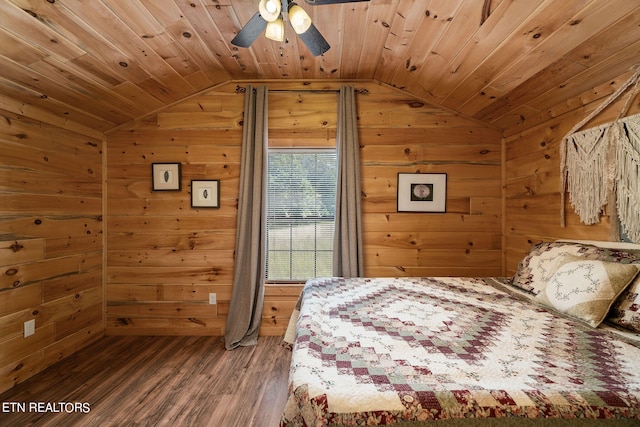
point(401, 134)
point(532, 195)
point(51, 240)
point(165, 257)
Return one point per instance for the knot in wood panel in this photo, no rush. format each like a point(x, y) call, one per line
point(16, 247)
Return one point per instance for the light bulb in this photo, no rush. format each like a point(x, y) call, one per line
point(269, 9)
point(271, 6)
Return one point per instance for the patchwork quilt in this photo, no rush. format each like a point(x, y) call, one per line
point(414, 350)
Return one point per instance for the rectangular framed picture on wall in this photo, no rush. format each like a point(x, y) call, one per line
point(422, 192)
point(166, 176)
point(205, 193)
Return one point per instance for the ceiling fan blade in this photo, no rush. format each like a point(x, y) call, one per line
point(314, 41)
point(250, 32)
point(322, 2)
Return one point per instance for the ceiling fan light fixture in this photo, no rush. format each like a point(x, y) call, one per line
point(270, 9)
point(275, 30)
point(300, 20)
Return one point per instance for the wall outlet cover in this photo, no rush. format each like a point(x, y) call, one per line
point(213, 298)
point(29, 327)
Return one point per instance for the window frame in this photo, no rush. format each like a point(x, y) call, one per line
point(288, 150)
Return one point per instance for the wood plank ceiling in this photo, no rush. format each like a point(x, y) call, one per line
point(105, 62)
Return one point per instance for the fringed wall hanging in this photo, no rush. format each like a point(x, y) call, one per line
point(628, 177)
point(599, 167)
point(585, 162)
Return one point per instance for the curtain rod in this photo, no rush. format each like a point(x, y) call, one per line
point(361, 91)
point(305, 90)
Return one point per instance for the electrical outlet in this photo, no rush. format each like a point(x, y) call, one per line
point(29, 327)
point(213, 298)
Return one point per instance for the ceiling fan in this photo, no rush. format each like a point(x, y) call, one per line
point(270, 20)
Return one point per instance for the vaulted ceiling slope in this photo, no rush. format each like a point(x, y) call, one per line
point(105, 62)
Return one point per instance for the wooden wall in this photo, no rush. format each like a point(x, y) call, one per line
point(532, 188)
point(164, 257)
point(51, 239)
point(401, 134)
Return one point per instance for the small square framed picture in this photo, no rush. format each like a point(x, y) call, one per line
point(205, 193)
point(422, 192)
point(166, 176)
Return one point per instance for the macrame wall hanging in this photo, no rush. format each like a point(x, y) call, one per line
point(601, 166)
point(628, 177)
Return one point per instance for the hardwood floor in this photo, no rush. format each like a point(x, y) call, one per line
point(156, 381)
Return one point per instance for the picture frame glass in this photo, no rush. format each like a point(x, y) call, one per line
point(166, 176)
point(205, 193)
point(422, 192)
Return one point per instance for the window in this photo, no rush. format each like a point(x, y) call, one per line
point(301, 205)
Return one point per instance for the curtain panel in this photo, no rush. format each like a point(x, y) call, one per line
point(245, 309)
point(347, 244)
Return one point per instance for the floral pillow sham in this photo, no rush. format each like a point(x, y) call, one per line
point(544, 259)
point(585, 288)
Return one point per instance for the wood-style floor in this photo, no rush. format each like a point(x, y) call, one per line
point(156, 381)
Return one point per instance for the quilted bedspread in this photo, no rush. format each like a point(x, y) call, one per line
point(414, 350)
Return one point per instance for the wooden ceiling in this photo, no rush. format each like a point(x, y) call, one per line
point(102, 63)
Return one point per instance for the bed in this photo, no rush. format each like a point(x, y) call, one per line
point(557, 344)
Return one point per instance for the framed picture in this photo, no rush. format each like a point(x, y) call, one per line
point(422, 192)
point(166, 176)
point(205, 193)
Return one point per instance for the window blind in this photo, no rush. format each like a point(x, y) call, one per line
point(301, 197)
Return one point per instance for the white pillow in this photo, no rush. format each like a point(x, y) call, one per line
point(585, 289)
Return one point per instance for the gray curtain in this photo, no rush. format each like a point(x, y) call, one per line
point(347, 243)
point(245, 310)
